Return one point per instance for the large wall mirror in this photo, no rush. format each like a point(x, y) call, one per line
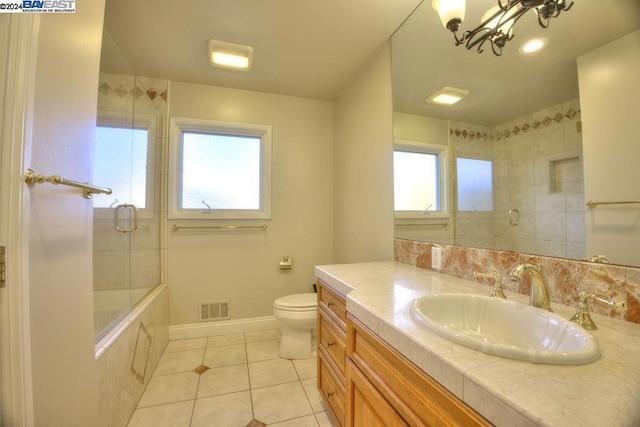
point(503, 168)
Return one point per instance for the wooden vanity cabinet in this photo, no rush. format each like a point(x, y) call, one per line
point(384, 388)
point(332, 323)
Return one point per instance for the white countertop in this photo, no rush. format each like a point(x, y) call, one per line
point(506, 392)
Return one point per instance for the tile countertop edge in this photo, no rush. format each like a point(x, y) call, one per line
point(500, 389)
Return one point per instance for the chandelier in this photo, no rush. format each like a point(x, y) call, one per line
point(497, 23)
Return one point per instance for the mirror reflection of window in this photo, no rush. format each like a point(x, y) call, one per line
point(121, 161)
point(475, 185)
point(416, 181)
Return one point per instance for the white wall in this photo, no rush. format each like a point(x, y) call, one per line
point(363, 165)
point(409, 127)
point(610, 101)
point(60, 288)
point(242, 266)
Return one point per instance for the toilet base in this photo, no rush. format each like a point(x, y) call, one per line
point(297, 344)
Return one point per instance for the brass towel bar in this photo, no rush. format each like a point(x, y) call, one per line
point(431, 224)
point(593, 203)
point(32, 178)
point(177, 227)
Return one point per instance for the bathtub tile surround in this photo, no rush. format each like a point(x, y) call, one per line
point(565, 278)
point(128, 354)
point(242, 392)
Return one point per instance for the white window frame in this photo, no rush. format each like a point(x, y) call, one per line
point(442, 151)
point(178, 125)
point(139, 121)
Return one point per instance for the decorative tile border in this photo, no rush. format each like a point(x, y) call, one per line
point(565, 278)
point(536, 123)
point(122, 86)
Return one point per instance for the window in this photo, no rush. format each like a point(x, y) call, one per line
point(419, 179)
point(220, 170)
point(121, 159)
point(475, 185)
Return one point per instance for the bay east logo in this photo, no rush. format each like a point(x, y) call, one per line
point(48, 6)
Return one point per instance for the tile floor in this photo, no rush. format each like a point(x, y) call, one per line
point(246, 384)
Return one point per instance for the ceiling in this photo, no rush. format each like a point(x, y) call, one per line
point(312, 49)
point(301, 47)
point(503, 88)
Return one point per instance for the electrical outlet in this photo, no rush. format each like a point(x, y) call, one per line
point(436, 258)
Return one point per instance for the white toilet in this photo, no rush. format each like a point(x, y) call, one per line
point(298, 314)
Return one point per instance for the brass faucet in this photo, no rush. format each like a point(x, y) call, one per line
point(497, 282)
point(539, 293)
point(582, 316)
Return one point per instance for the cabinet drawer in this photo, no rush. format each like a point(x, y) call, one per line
point(331, 387)
point(333, 303)
point(332, 339)
point(365, 405)
point(418, 398)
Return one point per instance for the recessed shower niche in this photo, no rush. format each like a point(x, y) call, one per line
point(565, 175)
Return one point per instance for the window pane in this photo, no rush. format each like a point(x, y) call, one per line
point(475, 185)
point(121, 164)
point(221, 170)
point(415, 177)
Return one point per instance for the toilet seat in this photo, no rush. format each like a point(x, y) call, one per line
point(297, 302)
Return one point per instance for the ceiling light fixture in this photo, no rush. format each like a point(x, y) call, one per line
point(230, 55)
point(497, 24)
point(447, 96)
point(533, 45)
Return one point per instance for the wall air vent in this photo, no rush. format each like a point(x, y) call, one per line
point(216, 310)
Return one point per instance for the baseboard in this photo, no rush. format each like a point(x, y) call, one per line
point(224, 327)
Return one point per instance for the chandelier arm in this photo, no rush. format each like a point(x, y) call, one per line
point(509, 5)
point(496, 52)
point(476, 39)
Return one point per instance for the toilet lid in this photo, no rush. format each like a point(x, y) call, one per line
point(297, 302)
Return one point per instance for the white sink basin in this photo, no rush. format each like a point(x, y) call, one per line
point(505, 328)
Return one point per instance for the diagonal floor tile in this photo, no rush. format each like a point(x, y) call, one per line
point(271, 372)
point(225, 356)
point(181, 361)
point(223, 380)
point(170, 389)
point(170, 415)
point(232, 409)
point(263, 350)
point(280, 402)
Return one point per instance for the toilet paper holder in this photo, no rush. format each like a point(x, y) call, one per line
point(286, 263)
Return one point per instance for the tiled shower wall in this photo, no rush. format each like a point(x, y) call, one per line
point(128, 355)
point(565, 278)
point(537, 161)
point(127, 265)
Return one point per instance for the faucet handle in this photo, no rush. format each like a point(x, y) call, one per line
point(497, 282)
point(582, 316)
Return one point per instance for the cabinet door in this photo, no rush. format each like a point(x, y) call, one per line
point(366, 407)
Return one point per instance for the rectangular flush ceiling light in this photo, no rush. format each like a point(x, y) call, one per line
point(447, 96)
point(230, 55)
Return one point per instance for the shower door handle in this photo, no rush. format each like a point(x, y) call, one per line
point(116, 218)
point(514, 217)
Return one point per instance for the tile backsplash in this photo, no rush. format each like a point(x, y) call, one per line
point(565, 278)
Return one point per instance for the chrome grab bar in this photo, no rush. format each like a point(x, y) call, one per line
point(593, 203)
point(116, 218)
point(32, 178)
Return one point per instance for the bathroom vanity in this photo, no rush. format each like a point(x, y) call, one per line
point(377, 366)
